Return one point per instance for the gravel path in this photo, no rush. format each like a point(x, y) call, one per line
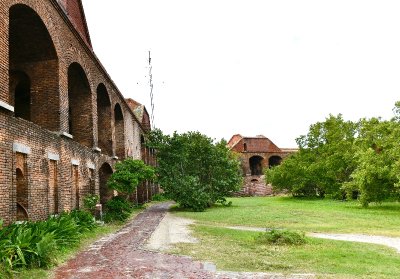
point(124, 255)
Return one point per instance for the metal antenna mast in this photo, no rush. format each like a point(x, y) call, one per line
point(151, 92)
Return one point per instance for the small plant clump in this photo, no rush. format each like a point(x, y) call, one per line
point(282, 237)
point(90, 201)
point(160, 197)
point(117, 209)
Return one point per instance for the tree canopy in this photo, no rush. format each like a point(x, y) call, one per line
point(194, 170)
point(129, 174)
point(342, 158)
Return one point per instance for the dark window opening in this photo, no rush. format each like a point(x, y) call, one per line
point(274, 161)
point(22, 106)
point(256, 165)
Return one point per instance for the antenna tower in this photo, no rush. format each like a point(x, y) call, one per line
point(151, 92)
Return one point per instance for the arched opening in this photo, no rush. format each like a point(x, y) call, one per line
point(33, 69)
point(106, 194)
point(80, 106)
point(256, 165)
point(274, 161)
point(119, 132)
point(104, 120)
point(22, 196)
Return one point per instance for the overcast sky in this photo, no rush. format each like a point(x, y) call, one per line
point(252, 67)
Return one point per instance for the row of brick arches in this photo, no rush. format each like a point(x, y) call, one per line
point(34, 88)
point(256, 163)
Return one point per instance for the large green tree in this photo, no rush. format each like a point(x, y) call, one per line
point(377, 158)
point(325, 160)
point(193, 170)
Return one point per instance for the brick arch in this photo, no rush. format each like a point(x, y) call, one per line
point(119, 128)
point(105, 171)
point(33, 53)
point(256, 165)
point(274, 160)
point(80, 116)
point(104, 118)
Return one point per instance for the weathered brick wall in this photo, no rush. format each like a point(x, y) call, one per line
point(60, 170)
point(255, 186)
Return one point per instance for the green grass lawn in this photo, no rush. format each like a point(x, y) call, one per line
point(308, 215)
point(237, 250)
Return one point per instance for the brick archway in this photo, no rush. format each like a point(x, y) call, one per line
point(105, 172)
point(104, 118)
point(119, 125)
point(255, 163)
point(274, 161)
point(80, 106)
point(33, 69)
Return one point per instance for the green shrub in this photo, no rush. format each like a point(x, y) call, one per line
point(160, 197)
point(84, 220)
point(117, 209)
point(282, 237)
point(194, 170)
point(90, 201)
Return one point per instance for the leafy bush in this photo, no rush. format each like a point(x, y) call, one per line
point(160, 197)
point(117, 209)
point(193, 170)
point(282, 237)
point(128, 175)
point(35, 244)
point(90, 201)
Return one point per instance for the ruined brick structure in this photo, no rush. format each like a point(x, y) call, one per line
point(256, 154)
point(63, 122)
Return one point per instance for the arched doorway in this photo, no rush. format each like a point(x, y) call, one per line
point(33, 68)
point(274, 161)
point(105, 172)
point(80, 106)
point(256, 165)
point(119, 132)
point(104, 117)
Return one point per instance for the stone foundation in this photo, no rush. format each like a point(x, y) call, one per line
point(254, 185)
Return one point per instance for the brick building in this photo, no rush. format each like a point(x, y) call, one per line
point(63, 122)
point(256, 154)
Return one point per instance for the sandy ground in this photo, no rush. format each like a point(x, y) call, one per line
point(171, 230)
point(174, 229)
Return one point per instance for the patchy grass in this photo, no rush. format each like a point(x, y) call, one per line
point(308, 215)
point(239, 251)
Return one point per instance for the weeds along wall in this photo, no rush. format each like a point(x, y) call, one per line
point(62, 119)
